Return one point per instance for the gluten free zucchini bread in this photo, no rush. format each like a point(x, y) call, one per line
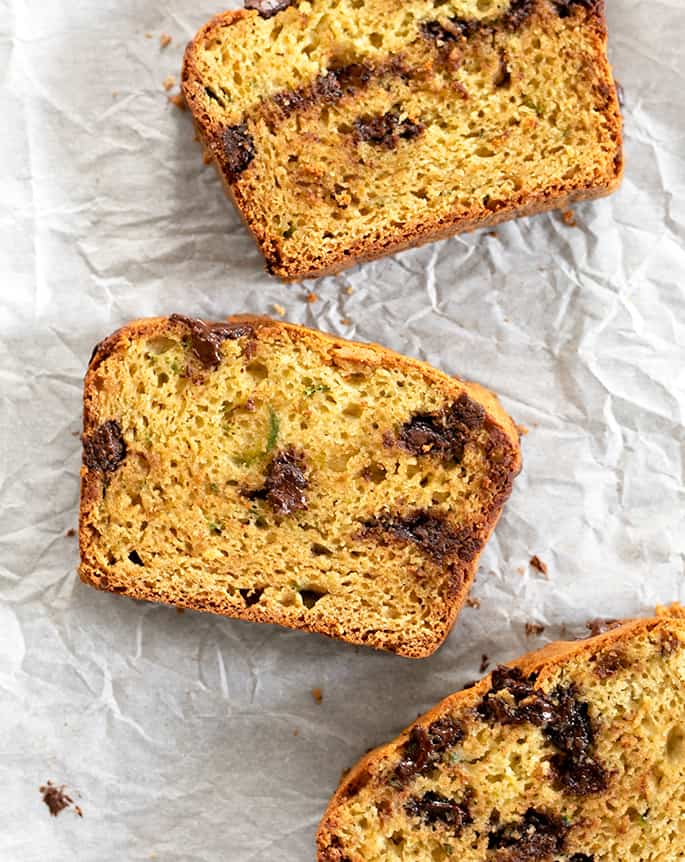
point(575, 753)
point(349, 129)
point(266, 471)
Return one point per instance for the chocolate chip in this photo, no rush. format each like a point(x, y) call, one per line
point(425, 747)
point(435, 808)
point(379, 130)
point(608, 663)
point(564, 721)
point(105, 449)
point(430, 531)
point(518, 13)
point(537, 836)
point(57, 799)
point(239, 149)
point(565, 7)
point(456, 29)
point(206, 338)
point(268, 8)
point(134, 557)
point(444, 434)
point(581, 857)
point(285, 484)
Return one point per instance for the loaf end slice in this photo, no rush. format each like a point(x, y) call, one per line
point(575, 753)
point(272, 473)
point(348, 130)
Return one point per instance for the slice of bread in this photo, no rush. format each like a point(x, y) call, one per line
point(273, 473)
point(574, 753)
point(349, 129)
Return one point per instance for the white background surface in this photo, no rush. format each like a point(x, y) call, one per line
point(177, 730)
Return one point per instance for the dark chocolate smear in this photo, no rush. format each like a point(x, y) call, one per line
point(386, 130)
point(449, 30)
point(105, 449)
point(268, 8)
point(239, 149)
point(285, 484)
point(434, 808)
point(327, 87)
point(432, 532)
point(444, 434)
point(536, 837)
point(426, 746)
point(206, 338)
point(562, 717)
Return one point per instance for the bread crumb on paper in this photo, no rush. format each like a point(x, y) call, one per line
point(165, 40)
point(534, 629)
point(317, 694)
point(178, 101)
point(169, 82)
point(568, 218)
point(279, 309)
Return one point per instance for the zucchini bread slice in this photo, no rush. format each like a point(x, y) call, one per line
point(575, 753)
point(349, 129)
point(269, 472)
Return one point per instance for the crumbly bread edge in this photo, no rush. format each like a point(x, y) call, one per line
point(542, 662)
point(347, 351)
point(411, 236)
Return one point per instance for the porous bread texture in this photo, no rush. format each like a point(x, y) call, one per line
point(348, 129)
point(579, 757)
point(269, 472)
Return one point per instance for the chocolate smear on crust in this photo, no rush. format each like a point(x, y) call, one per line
point(431, 531)
point(444, 434)
point(268, 8)
point(105, 449)
point(238, 149)
point(206, 338)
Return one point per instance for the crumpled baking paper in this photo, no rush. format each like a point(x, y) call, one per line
point(191, 737)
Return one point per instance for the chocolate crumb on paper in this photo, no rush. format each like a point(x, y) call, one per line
point(312, 297)
point(317, 694)
point(57, 799)
point(568, 218)
point(534, 629)
point(70, 533)
point(484, 663)
point(536, 563)
point(472, 603)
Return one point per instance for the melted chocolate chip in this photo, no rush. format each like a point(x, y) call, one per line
point(444, 434)
point(430, 531)
point(268, 8)
point(385, 130)
point(608, 663)
point(581, 857)
point(285, 484)
point(457, 29)
point(328, 87)
point(518, 13)
point(206, 338)
point(536, 837)
point(564, 721)
point(239, 149)
point(105, 449)
point(425, 747)
point(434, 808)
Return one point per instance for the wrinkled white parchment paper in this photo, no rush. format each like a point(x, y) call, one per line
point(189, 737)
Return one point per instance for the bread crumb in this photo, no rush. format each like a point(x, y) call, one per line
point(279, 309)
point(345, 321)
point(568, 218)
point(207, 157)
point(522, 430)
point(349, 290)
point(484, 663)
point(180, 610)
point(534, 629)
point(178, 101)
point(70, 533)
point(472, 603)
point(165, 40)
point(312, 297)
point(148, 35)
point(520, 570)
point(317, 694)
point(169, 82)
point(536, 563)
point(296, 732)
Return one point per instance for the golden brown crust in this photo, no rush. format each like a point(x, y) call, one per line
point(332, 351)
point(542, 663)
point(410, 235)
